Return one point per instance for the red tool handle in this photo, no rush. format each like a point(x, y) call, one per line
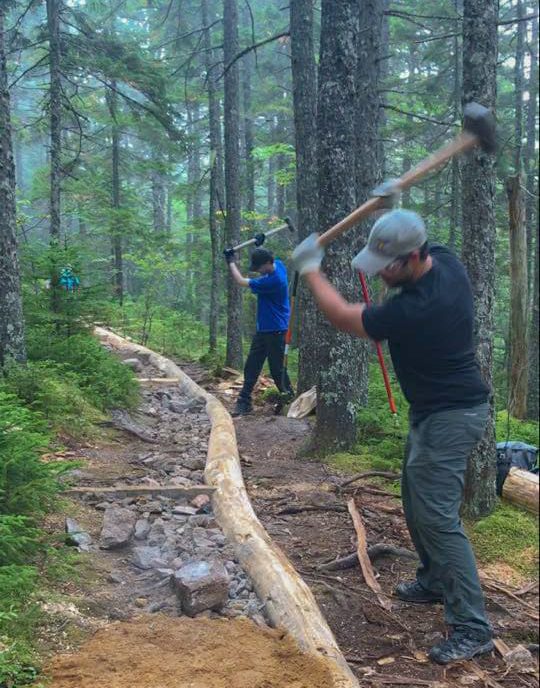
point(380, 356)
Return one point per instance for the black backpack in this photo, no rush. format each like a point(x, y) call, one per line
point(515, 454)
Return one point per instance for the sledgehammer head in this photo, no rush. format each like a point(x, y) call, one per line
point(288, 222)
point(479, 120)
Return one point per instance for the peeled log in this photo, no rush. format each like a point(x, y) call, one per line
point(521, 488)
point(289, 601)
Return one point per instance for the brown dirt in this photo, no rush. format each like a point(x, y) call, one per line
point(161, 652)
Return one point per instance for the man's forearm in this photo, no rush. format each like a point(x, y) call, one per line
point(237, 276)
point(342, 314)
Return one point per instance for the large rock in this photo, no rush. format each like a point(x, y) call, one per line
point(76, 536)
point(118, 527)
point(134, 364)
point(147, 557)
point(201, 585)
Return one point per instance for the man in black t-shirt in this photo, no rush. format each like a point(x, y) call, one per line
point(428, 325)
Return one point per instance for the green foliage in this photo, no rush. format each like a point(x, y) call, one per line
point(53, 390)
point(103, 380)
point(516, 430)
point(508, 535)
point(27, 485)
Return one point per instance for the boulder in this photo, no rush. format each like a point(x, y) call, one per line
point(118, 527)
point(76, 536)
point(134, 364)
point(147, 558)
point(201, 585)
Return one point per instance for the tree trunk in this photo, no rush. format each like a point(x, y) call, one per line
point(159, 199)
point(53, 23)
point(116, 229)
point(479, 236)
point(455, 205)
point(55, 109)
point(304, 77)
point(368, 162)
point(531, 162)
point(517, 406)
point(249, 144)
point(216, 182)
point(532, 400)
point(11, 315)
point(338, 353)
point(518, 87)
point(234, 354)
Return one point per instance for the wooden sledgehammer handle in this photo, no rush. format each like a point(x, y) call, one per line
point(463, 142)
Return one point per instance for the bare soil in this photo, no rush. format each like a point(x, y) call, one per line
point(161, 652)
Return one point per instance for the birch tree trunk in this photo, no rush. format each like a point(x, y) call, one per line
point(11, 316)
point(479, 236)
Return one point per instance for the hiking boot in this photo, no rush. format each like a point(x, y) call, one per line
point(464, 643)
point(242, 408)
point(412, 591)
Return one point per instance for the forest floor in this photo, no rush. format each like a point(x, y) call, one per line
point(119, 623)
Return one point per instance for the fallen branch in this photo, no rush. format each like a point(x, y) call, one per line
point(363, 557)
point(311, 507)
point(369, 474)
point(374, 552)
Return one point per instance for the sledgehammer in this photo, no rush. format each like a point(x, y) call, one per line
point(259, 239)
point(478, 131)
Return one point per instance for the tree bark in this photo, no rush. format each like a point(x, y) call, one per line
point(531, 220)
point(249, 142)
point(11, 315)
point(517, 406)
point(216, 182)
point(234, 352)
point(455, 205)
point(55, 109)
point(479, 236)
point(368, 163)
point(304, 78)
point(116, 228)
point(338, 353)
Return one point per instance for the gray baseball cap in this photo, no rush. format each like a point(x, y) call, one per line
point(395, 234)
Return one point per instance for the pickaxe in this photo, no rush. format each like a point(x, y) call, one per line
point(260, 238)
point(478, 132)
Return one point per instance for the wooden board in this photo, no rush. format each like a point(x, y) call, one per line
point(289, 602)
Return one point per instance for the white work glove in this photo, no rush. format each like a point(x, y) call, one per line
point(388, 192)
point(308, 255)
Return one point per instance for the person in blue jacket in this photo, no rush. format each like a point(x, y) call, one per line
point(273, 311)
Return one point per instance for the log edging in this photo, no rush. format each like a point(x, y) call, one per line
point(289, 602)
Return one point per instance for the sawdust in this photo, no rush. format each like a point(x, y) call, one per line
point(161, 652)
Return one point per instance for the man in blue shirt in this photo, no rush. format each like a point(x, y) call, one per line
point(273, 312)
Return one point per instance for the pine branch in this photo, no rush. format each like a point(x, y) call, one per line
point(245, 51)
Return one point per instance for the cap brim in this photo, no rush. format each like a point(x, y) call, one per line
point(371, 263)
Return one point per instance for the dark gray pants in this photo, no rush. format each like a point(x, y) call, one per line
point(438, 448)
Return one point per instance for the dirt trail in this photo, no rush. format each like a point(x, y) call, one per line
point(136, 552)
point(160, 652)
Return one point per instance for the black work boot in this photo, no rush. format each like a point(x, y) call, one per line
point(464, 643)
point(242, 408)
point(412, 591)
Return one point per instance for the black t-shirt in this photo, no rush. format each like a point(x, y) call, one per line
point(429, 328)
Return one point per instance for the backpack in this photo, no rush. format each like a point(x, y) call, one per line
point(515, 454)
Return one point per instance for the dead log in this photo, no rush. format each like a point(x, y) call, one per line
point(302, 508)
point(363, 558)
point(289, 602)
point(521, 488)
